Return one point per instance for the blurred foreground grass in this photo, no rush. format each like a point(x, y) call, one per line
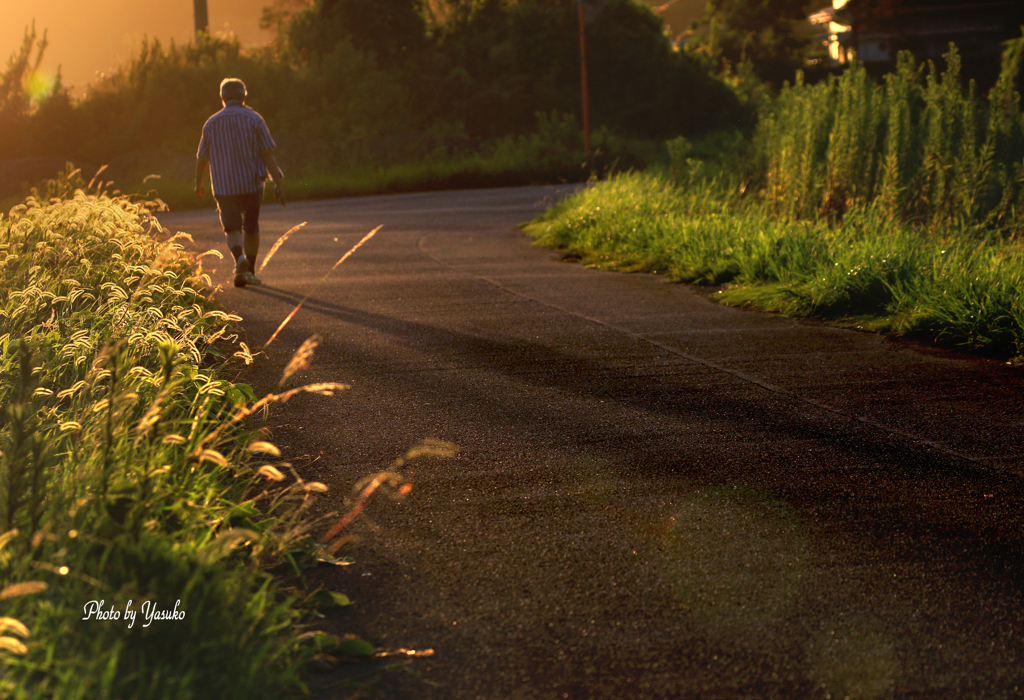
point(130, 479)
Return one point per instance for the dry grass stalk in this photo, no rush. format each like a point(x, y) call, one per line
point(322, 279)
point(374, 484)
point(285, 322)
point(93, 180)
point(277, 244)
point(403, 652)
point(431, 447)
point(16, 626)
point(26, 588)
point(301, 360)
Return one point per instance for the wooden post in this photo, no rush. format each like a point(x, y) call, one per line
point(583, 78)
point(201, 15)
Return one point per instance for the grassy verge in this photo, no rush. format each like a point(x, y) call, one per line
point(149, 546)
point(426, 176)
point(552, 153)
point(962, 287)
point(893, 206)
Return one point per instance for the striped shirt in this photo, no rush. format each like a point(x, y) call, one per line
point(233, 140)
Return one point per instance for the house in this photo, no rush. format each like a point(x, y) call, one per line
point(877, 29)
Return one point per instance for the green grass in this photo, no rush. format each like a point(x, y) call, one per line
point(128, 473)
point(960, 288)
point(426, 176)
point(918, 145)
point(551, 153)
point(894, 206)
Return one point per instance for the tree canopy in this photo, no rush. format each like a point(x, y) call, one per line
point(770, 35)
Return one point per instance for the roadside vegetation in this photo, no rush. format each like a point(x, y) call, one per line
point(895, 206)
point(132, 476)
point(385, 95)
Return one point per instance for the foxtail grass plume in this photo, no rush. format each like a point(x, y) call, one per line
point(271, 472)
point(343, 258)
point(26, 588)
point(93, 180)
point(278, 243)
point(264, 447)
point(301, 360)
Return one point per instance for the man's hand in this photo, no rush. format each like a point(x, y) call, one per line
point(202, 167)
point(274, 171)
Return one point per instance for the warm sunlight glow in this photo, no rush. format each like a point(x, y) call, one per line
point(87, 38)
point(39, 84)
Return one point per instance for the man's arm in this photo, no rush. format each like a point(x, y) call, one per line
point(202, 167)
point(270, 160)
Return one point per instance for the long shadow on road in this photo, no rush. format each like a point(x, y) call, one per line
point(936, 524)
point(625, 521)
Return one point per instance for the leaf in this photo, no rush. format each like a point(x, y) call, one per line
point(236, 397)
point(242, 515)
point(321, 599)
point(340, 599)
point(323, 641)
point(225, 542)
point(325, 558)
point(247, 391)
point(354, 647)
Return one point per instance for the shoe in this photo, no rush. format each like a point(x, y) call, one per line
point(241, 270)
point(252, 280)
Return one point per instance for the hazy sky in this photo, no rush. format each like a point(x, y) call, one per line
point(90, 36)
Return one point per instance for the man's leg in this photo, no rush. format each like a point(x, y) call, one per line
point(230, 208)
point(251, 226)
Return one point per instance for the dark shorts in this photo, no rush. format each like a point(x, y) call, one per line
point(240, 212)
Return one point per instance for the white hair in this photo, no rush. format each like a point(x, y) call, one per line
point(232, 89)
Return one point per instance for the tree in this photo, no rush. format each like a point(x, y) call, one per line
point(33, 108)
point(15, 98)
point(767, 34)
point(392, 31)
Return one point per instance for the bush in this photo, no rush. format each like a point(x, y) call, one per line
point(919, 146)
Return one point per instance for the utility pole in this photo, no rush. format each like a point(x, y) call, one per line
point(583, 77)
point(201, 15)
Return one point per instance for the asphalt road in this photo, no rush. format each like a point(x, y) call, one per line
point(656, 496)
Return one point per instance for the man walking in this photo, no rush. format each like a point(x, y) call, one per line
point(238, 151)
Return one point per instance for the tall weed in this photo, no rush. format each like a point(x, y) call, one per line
point(127, 474)
point(918, 146)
